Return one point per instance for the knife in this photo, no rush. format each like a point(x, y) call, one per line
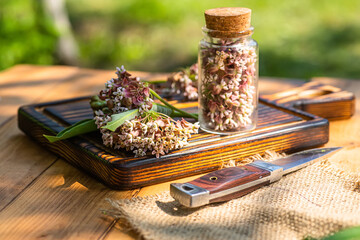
point(229, 183)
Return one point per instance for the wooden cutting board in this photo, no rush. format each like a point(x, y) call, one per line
point(281, 128)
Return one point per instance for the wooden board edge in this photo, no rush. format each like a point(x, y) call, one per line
point(118, 176)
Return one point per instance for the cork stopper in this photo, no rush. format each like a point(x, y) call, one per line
point(228, 22)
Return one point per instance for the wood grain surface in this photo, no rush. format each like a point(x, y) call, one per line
point(228, 178)
point(279, 129)
point(319, 99)
point(42, 196)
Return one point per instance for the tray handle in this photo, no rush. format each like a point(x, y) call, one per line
point(318, 99)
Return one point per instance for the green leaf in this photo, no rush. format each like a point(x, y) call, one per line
point(192, 77)
point(120, 118)
point(162, 109)
point(346, 234)
point(184, 114)
point(168, 111)
point(81, 127)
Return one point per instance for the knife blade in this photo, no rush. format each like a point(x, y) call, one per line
point(229, 183)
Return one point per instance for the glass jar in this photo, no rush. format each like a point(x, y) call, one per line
point(228, 81)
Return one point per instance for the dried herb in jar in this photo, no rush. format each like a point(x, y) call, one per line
point(228, 62)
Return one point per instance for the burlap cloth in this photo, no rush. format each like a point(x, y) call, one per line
point(312, 202)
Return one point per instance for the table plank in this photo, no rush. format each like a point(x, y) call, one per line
point(49, 198)
point(61, 203)
point(19, 171)
point(74, 82)
point(342, 133)
point(20, 168)
point(346, 132)
point(21, 162)
point(26, 84)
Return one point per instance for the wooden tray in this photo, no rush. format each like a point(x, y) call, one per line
point(279, 128)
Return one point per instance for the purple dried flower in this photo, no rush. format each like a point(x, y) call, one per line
point(125, 93)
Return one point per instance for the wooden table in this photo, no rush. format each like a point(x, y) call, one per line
point(42, 196)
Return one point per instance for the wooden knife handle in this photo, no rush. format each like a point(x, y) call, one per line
point(219, 183)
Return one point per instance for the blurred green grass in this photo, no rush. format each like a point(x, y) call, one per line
point(298, 39)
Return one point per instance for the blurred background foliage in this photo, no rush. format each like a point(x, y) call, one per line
point(26, 35)
point(298, 39)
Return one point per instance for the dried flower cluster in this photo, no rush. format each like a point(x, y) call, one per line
point(125, 92)
point(157, 135)
point(151, 132)
point(228, 92)
point(185, 82)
